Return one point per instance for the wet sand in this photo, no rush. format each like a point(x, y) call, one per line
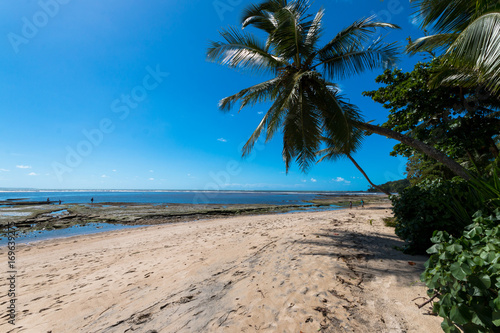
point(331, 271)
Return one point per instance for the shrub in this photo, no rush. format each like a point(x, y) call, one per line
point(423, 208)
point(465, 274)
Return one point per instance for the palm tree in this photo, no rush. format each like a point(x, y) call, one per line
point(306, 105)
point(469, 31)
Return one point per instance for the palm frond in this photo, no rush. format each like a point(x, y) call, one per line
point(357, 34)
point(301, 132)
point(243, 51)
point(261, 16)
point(447, 16)
point(339, 117)
point(314, 31)
point(274, 116)
point(474, 58)
point(288, 40)
point(258, 93)
point(431, 43)
point(355, 60)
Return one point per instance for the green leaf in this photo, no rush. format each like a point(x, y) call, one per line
point(460, 314)
point(482, 281)
point(457, 271)
point(449, 327)
point(496, 304)
point(496, 318)
point(454, 248)
point(434, 249)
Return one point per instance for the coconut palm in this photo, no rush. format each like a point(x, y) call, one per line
point(305, 105)
point(469, 32)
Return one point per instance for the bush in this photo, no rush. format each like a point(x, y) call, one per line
point(423, 208)
point(465, 274)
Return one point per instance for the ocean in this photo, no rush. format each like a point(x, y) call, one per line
point(165, 197)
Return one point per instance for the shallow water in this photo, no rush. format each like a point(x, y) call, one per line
point(91, 228)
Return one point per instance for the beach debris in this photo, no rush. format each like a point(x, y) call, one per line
point(411, 263)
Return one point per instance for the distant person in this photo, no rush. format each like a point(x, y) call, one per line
point(92, 200)
point(48, 200)
point(362, 203)
point(350, 204)
point(60, 201)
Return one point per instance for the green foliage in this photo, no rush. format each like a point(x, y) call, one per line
point(469, 32)
point(465, 274)
point(420, 167)
point(396, 186)
point(461, 122)
point(458, 121)
point(425, 207)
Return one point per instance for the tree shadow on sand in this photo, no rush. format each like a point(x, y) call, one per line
point(374, 254)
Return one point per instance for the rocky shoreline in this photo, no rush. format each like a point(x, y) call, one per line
point(36, 216)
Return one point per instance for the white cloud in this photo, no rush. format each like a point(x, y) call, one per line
point(341, 180)
point(222, 140)
point(260, 112)
point(23, 166)
point(151, 171)
point(4, 170)
point(151, 179)
point(114, 170)
point(304, 181)
point(32, 174)
point(104, 176)
point(313, 180)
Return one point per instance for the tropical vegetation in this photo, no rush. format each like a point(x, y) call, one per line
point(464, 274)
point(462, 122)
point(395, 186)
point(469, 32)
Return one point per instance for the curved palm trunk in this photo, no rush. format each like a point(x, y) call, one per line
point(418, 145)
point(366, 176)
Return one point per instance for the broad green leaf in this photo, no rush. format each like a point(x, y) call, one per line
point(496, 303)
point(454, 248)
point(460, 314)
point(448, 326)
point(460, 270)
point(482, 281)
point(496, 318)
point(434, 249)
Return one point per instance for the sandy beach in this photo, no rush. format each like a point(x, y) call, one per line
point(330, 271)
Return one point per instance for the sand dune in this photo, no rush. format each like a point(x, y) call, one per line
point(301, 272)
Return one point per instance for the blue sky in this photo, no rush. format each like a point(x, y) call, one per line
point(69, 67)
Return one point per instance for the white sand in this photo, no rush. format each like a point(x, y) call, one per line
point(301, 272)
